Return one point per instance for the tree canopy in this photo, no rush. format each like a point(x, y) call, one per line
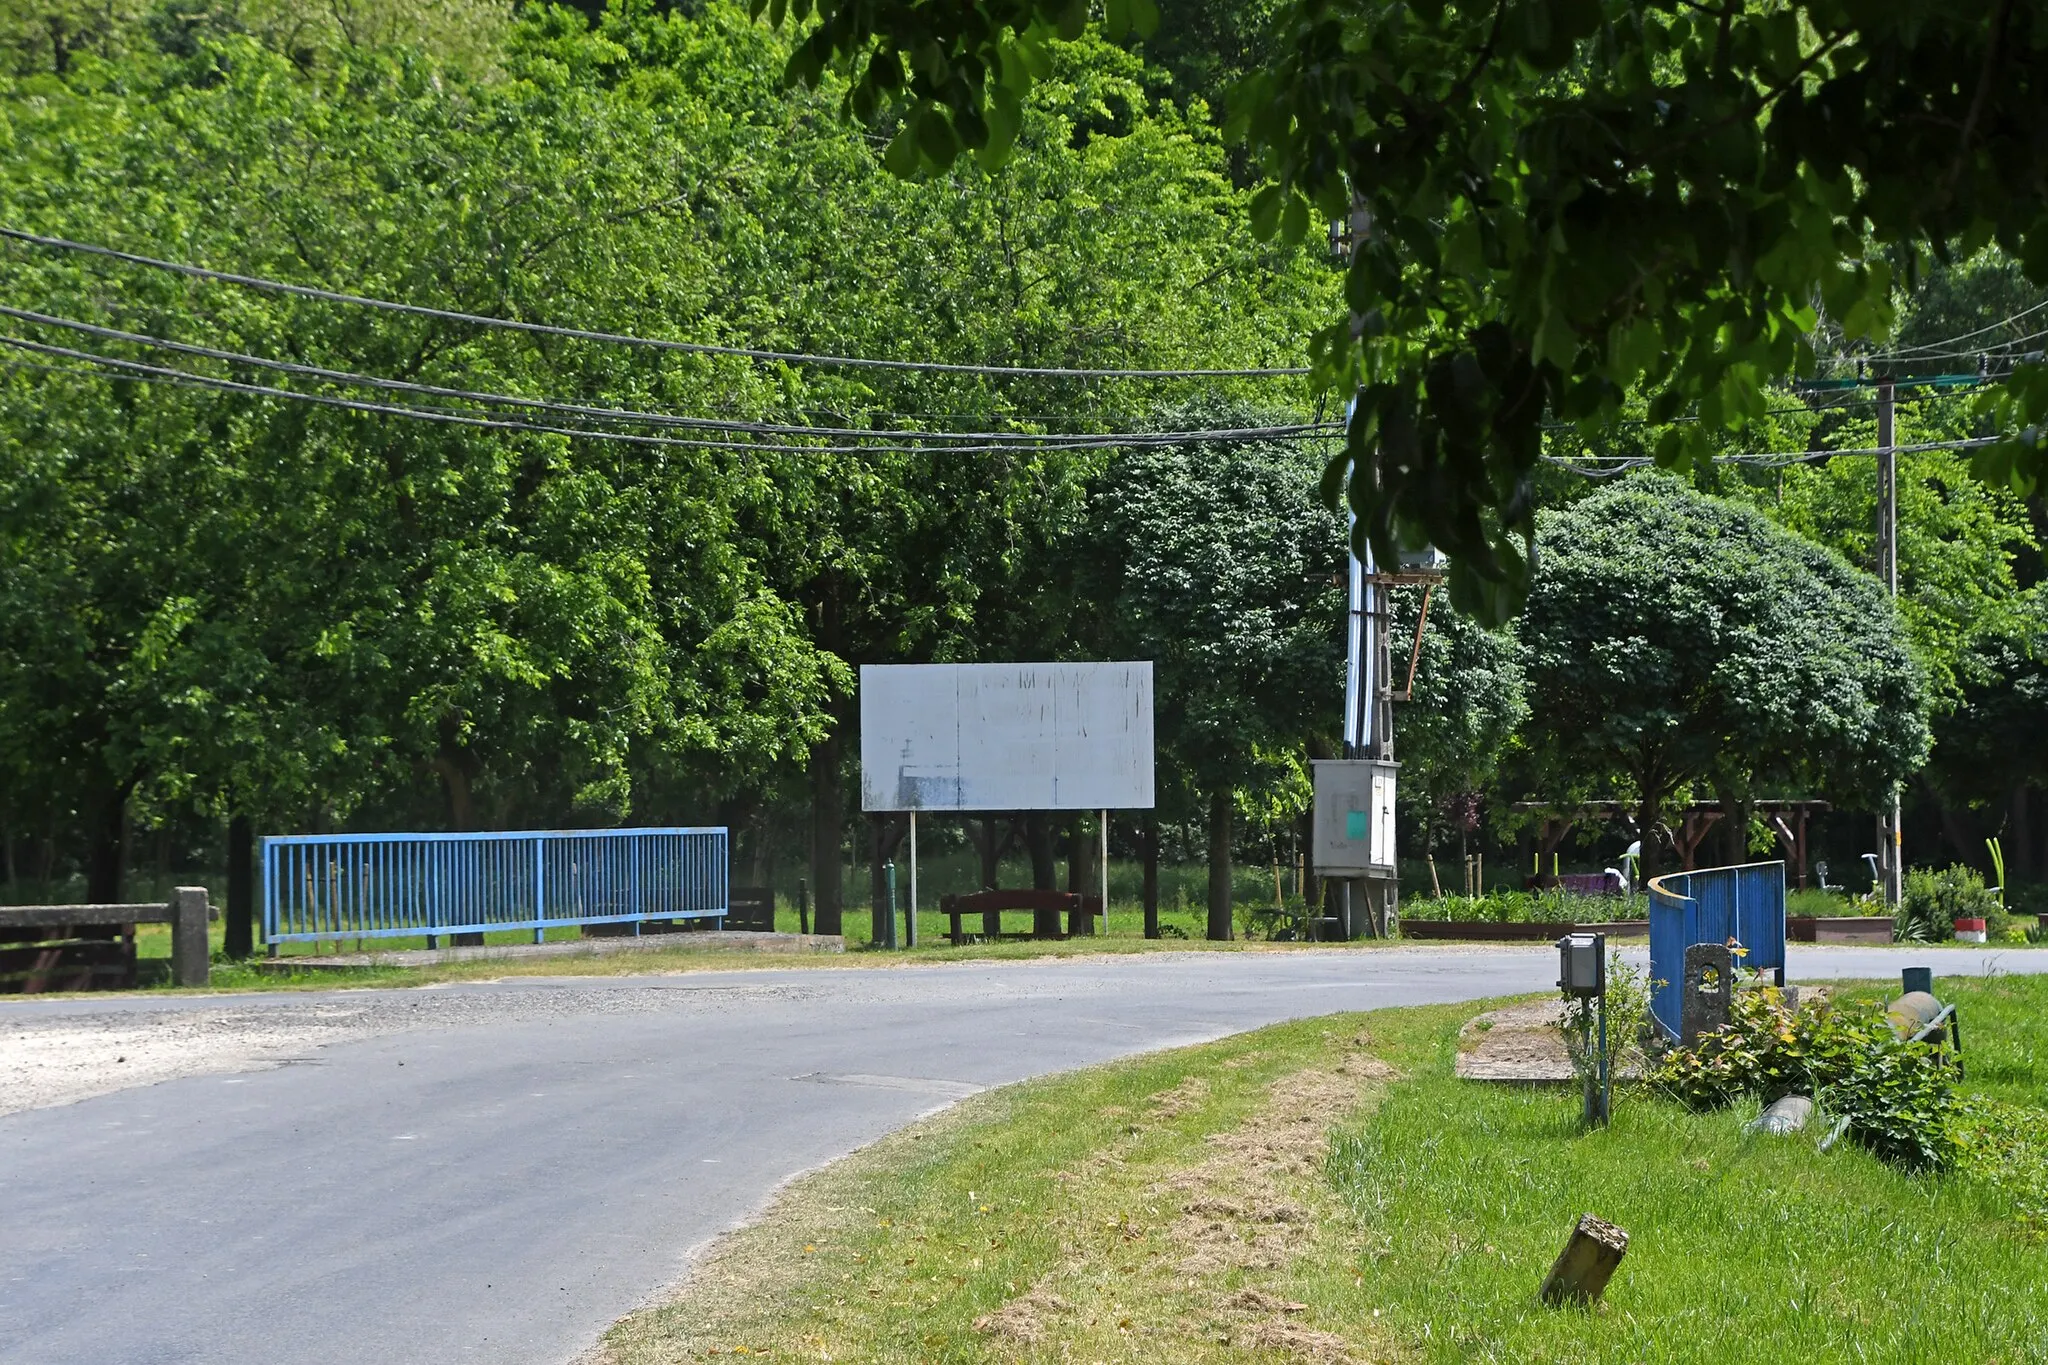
point(1559, 203)
point(1217, 562)
point(1675, 637)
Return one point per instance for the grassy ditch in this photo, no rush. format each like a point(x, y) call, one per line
point(1327, 1191)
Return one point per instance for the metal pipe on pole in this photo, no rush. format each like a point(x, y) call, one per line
point(1891, 839)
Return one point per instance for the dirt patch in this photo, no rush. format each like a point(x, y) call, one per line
point(1522, 1043)
point(1299, 1342)
point(1143, 1243)
point(1027, 1319)
point(1237, 1207)
point(52, 1057)
point(1174, 1102)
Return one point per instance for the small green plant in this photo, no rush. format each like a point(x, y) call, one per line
point(1997, 850)
point(1628, 1022)
point(1821, 904)
point(1897, 1096)
point(1933, 902)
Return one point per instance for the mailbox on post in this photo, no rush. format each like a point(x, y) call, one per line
point(1582, 964)
point(1582, 975)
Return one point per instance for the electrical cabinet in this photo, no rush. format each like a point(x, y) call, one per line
point(1354, 817)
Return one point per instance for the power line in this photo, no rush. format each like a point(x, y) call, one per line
point(446, 416)
point(1794, 410)
point(1773, 459)
point(614, 415)
point(622, 339)
point(1965, 336)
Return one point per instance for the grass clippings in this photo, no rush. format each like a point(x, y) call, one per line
point(1133, 1212)
point(1310, 1193)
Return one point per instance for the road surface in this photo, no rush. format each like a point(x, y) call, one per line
point(496, 1172)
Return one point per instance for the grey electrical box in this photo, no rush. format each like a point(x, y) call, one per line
point(1354, 817)
point(1582, 964)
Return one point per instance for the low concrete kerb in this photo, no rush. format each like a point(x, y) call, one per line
point(715, 941)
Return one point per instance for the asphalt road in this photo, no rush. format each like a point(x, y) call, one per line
point(496, 1172)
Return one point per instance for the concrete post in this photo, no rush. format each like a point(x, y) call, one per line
point(189, 955)
point(1707, 993)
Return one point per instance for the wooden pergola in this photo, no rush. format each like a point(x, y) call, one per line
point(1787, 819)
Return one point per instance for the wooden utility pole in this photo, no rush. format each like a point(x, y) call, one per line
point(1890, 841)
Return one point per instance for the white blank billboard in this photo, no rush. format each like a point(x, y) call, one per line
point(989, 737)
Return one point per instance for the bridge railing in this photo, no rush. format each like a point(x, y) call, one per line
point(321, 886)
point(1713, 905)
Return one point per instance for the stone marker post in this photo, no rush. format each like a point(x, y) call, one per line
point(1707, 991)
point(189, 955)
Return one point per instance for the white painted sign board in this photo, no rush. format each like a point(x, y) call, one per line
point(989, 737)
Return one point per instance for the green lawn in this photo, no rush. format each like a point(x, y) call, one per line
point(1139, 1212)
point(1742, 1247)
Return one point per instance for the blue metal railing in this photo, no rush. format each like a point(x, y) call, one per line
point(1713, 905)
point(319, 886)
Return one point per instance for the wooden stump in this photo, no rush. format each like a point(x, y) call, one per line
point(1587, 1262)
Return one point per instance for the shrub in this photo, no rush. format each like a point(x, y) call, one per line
point(1628, 1022)
point(1934, 901)
point(1523, 907)
point(1814, 901)
point(1895, 1095)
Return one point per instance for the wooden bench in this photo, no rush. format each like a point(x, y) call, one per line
point(1044, 907)
point(92, 947)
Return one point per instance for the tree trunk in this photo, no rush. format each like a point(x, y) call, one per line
point(826, 811)
point(240, 935)
point(106, 846)
point(454, 767)
point(1961, 833)
point(1734, 830)
point(1219, 864)
point(1038, 835)
point(2019, 859)
point(1648, 814)
point(991, 854)
point(1151, 891)
point(1082, 875)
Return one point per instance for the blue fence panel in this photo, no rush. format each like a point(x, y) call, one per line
point(1713, 905)
point(318, 886)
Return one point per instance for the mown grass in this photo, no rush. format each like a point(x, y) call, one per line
point(1427, 1225)
point(1742, 1247)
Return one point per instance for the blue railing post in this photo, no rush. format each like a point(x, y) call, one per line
point(540, 901)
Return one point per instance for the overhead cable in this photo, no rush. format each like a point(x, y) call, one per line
point(1771, 459)
point(1927, 346)
point(616, 415)
point(1005, 444)
point(623, 339)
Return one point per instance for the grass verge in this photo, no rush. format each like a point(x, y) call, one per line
point(153, 952)
point(1326, 1191)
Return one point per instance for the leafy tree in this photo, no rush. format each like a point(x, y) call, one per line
point(1560, 203)
point(377, 618)
point(1465, 707)
point(1959, 541)
point(1216, 562)
point(506, 615)
point(1675, 637)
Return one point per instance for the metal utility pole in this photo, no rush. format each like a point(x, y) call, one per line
point(1368, 704)
point(1890, 840)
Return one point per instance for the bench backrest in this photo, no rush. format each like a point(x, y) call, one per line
point(976, 901)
